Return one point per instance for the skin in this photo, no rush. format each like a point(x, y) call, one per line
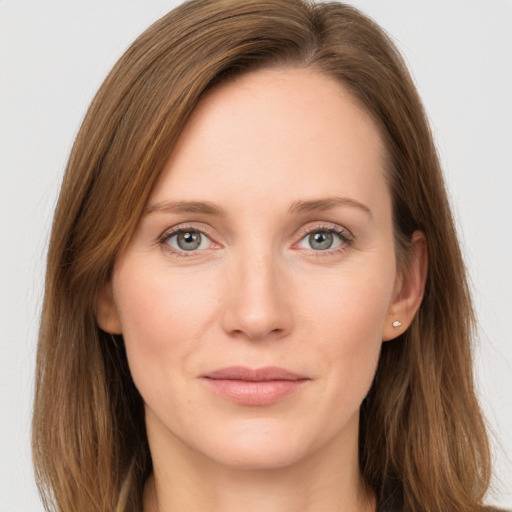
point(258, 293)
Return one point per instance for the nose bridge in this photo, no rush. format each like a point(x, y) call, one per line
point(256, 305)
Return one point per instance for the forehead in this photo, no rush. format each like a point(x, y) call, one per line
point(286, 130)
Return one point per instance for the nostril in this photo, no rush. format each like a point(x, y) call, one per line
point(255, 334)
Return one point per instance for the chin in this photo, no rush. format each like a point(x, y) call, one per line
point(257, 456)
point(257, 447)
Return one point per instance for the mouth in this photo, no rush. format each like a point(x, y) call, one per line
point(256, 387)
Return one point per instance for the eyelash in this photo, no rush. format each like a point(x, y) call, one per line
point(344, 235)
point(167, 235)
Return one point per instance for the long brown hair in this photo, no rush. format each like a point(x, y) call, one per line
point(423, 444)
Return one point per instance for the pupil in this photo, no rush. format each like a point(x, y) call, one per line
point(189, 240)
point(321, 240)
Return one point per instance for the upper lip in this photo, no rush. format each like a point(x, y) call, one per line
point(253, 374)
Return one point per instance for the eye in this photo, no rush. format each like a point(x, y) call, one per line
point(187, 240)
point(323, 240)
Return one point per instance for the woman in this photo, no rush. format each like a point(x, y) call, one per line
point(254, 295)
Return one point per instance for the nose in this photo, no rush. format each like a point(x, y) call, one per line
point(257, 300)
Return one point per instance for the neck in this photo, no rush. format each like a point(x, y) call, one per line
point(328, 480)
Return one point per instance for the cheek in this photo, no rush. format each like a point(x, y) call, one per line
point(351, 305)
point(345, 318)
point(163, 318)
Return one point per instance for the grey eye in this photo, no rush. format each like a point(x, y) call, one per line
point(188, 240)
point(321, 240)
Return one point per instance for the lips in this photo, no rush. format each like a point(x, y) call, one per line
point(253, 375)
point(256, 387)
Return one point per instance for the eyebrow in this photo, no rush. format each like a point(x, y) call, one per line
point(204, 207)
point(321, 205)
point(297, 207)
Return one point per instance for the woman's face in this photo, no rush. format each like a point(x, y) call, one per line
point(266, 244)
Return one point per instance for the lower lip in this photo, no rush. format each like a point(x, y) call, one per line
point(255, 393)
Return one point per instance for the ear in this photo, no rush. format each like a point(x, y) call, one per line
point(107, 316)
point(409, 289)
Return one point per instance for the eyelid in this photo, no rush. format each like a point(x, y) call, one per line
point(164, 237)
point(342, 231)
point(345, 235)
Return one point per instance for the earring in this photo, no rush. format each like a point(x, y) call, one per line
point(396, 324)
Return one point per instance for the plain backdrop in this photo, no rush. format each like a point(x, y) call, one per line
point(53, 57)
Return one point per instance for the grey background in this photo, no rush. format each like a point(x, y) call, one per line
point(53, 57)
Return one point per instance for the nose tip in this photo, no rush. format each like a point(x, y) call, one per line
point(254, 329)
point(256, 306)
